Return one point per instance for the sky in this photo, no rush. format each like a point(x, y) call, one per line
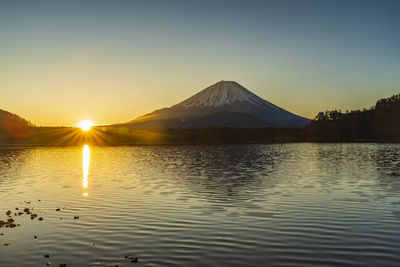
point(111, 61)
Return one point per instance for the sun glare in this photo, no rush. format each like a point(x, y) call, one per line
point(85, 125)
point(85, 165)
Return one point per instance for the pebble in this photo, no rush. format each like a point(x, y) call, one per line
point(132, 258)
point(8, 224)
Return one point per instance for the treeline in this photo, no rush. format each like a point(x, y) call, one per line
point(379, 123)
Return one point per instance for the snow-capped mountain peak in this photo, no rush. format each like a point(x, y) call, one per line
point(222, 93)
point(224, 104)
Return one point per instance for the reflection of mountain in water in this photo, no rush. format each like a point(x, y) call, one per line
point(222, 173)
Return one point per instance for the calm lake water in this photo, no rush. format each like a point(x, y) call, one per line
point(209, 205)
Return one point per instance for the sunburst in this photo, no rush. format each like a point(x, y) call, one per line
point(85, 125)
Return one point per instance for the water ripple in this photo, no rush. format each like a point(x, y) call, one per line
point(209, 205)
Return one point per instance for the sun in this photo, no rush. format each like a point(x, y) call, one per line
point(85, 125)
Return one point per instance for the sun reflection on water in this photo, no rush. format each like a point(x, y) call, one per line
point(85, 166)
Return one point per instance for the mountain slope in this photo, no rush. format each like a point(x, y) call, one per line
point(231, 103)
point(222, 94)
point(13, 126)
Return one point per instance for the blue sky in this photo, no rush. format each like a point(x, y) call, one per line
point(110, 61)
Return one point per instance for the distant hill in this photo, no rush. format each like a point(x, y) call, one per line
point(13, 127)
point(224, 104)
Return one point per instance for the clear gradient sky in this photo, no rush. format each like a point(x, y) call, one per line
point(111, 61)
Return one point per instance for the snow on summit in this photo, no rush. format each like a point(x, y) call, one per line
point(221, 94)
point(224, 104)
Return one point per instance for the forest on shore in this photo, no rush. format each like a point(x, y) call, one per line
point(380, 123)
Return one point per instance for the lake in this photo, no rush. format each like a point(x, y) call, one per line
point(296, 204)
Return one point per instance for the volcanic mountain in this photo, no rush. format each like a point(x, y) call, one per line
point(224, 104)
